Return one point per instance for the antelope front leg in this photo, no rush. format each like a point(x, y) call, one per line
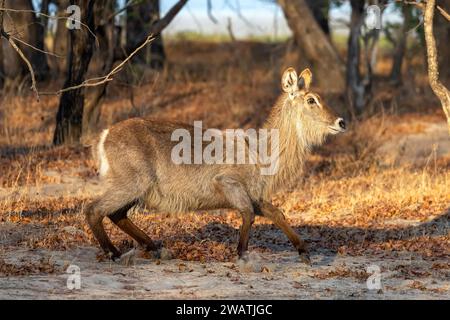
point(276, 215)
point(248, 218)
point(234, 192)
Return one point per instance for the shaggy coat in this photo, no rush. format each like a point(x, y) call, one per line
point(135, 163)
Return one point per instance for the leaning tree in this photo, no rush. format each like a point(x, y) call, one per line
point(315, 45)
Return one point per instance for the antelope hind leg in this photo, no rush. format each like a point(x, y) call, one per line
point(120, 219)
point(110, 203)
point(94, 218)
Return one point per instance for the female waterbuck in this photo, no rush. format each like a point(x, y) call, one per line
point(136, 164)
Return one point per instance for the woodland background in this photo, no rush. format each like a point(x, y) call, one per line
point(375, 196)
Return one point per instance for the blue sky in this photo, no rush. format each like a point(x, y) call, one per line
point(256, 17)
point(259, 17)
point(248, 17)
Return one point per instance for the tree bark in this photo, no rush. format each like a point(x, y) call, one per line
point(140, 18)
point(320, 9)
point(61, 39)
point(400, 47)
point(315, 44)
point(2, 68)
point(30, 31)
point(39, 60)
point(93, 102)
point(433, 68)
point(355, 87)
point(69, 118)
point(442, 36)
point(108, 39)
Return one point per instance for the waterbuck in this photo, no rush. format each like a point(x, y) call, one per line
point(135, 164)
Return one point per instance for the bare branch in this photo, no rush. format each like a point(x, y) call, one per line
point(129, 4)
point(210, 14)
point(24, 58)
point(51, 17)
point(423, 4)
point(230, 30)
point(17, 49)
point(419, 5)
point(37, 49)
point(155, 29)
point(444, 13)
point(109, 77)
point(237, 10)
point(164, 22)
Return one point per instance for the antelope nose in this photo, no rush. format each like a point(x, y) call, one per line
point(342, 124)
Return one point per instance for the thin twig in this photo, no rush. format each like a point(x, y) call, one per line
point(24, 58)
point(444, 13)
point(417, 26)
point(154, 30)
point(37, 49)
point(52, 17)
point(421, 6)
point(129, 4)
point(210, 14)
point(106, 78)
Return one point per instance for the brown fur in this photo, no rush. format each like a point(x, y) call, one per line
point(138, 152)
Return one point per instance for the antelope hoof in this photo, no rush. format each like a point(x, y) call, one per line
point(154, 245)
point(244, 256)
point(114, 256)
point(304, 257)
point(165, 254)
point(160, 254)
point(128, 259)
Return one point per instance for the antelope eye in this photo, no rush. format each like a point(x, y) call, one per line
point(311, 101)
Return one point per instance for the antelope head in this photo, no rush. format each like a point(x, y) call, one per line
point(314, 120)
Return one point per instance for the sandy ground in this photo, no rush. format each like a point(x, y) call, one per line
point(263, 276)
point(272, 276)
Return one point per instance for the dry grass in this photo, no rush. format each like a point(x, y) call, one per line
point(349, 201)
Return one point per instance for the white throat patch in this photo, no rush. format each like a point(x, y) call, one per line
point(299, 131)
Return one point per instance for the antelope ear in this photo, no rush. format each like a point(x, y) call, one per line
point(306, 76)
point(289, 81)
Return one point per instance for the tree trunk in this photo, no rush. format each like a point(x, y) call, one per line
point(69, 118)
point(140, 18)
point(436, 85)
point(320, 9)
point(442, 35)
point(315, 44)
point(108, 38)
point(61, 39)
point(23, 25)
point(39, 60)
point(29, 30)
point(400, 47)
point(355, 87)
point(2, 68)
